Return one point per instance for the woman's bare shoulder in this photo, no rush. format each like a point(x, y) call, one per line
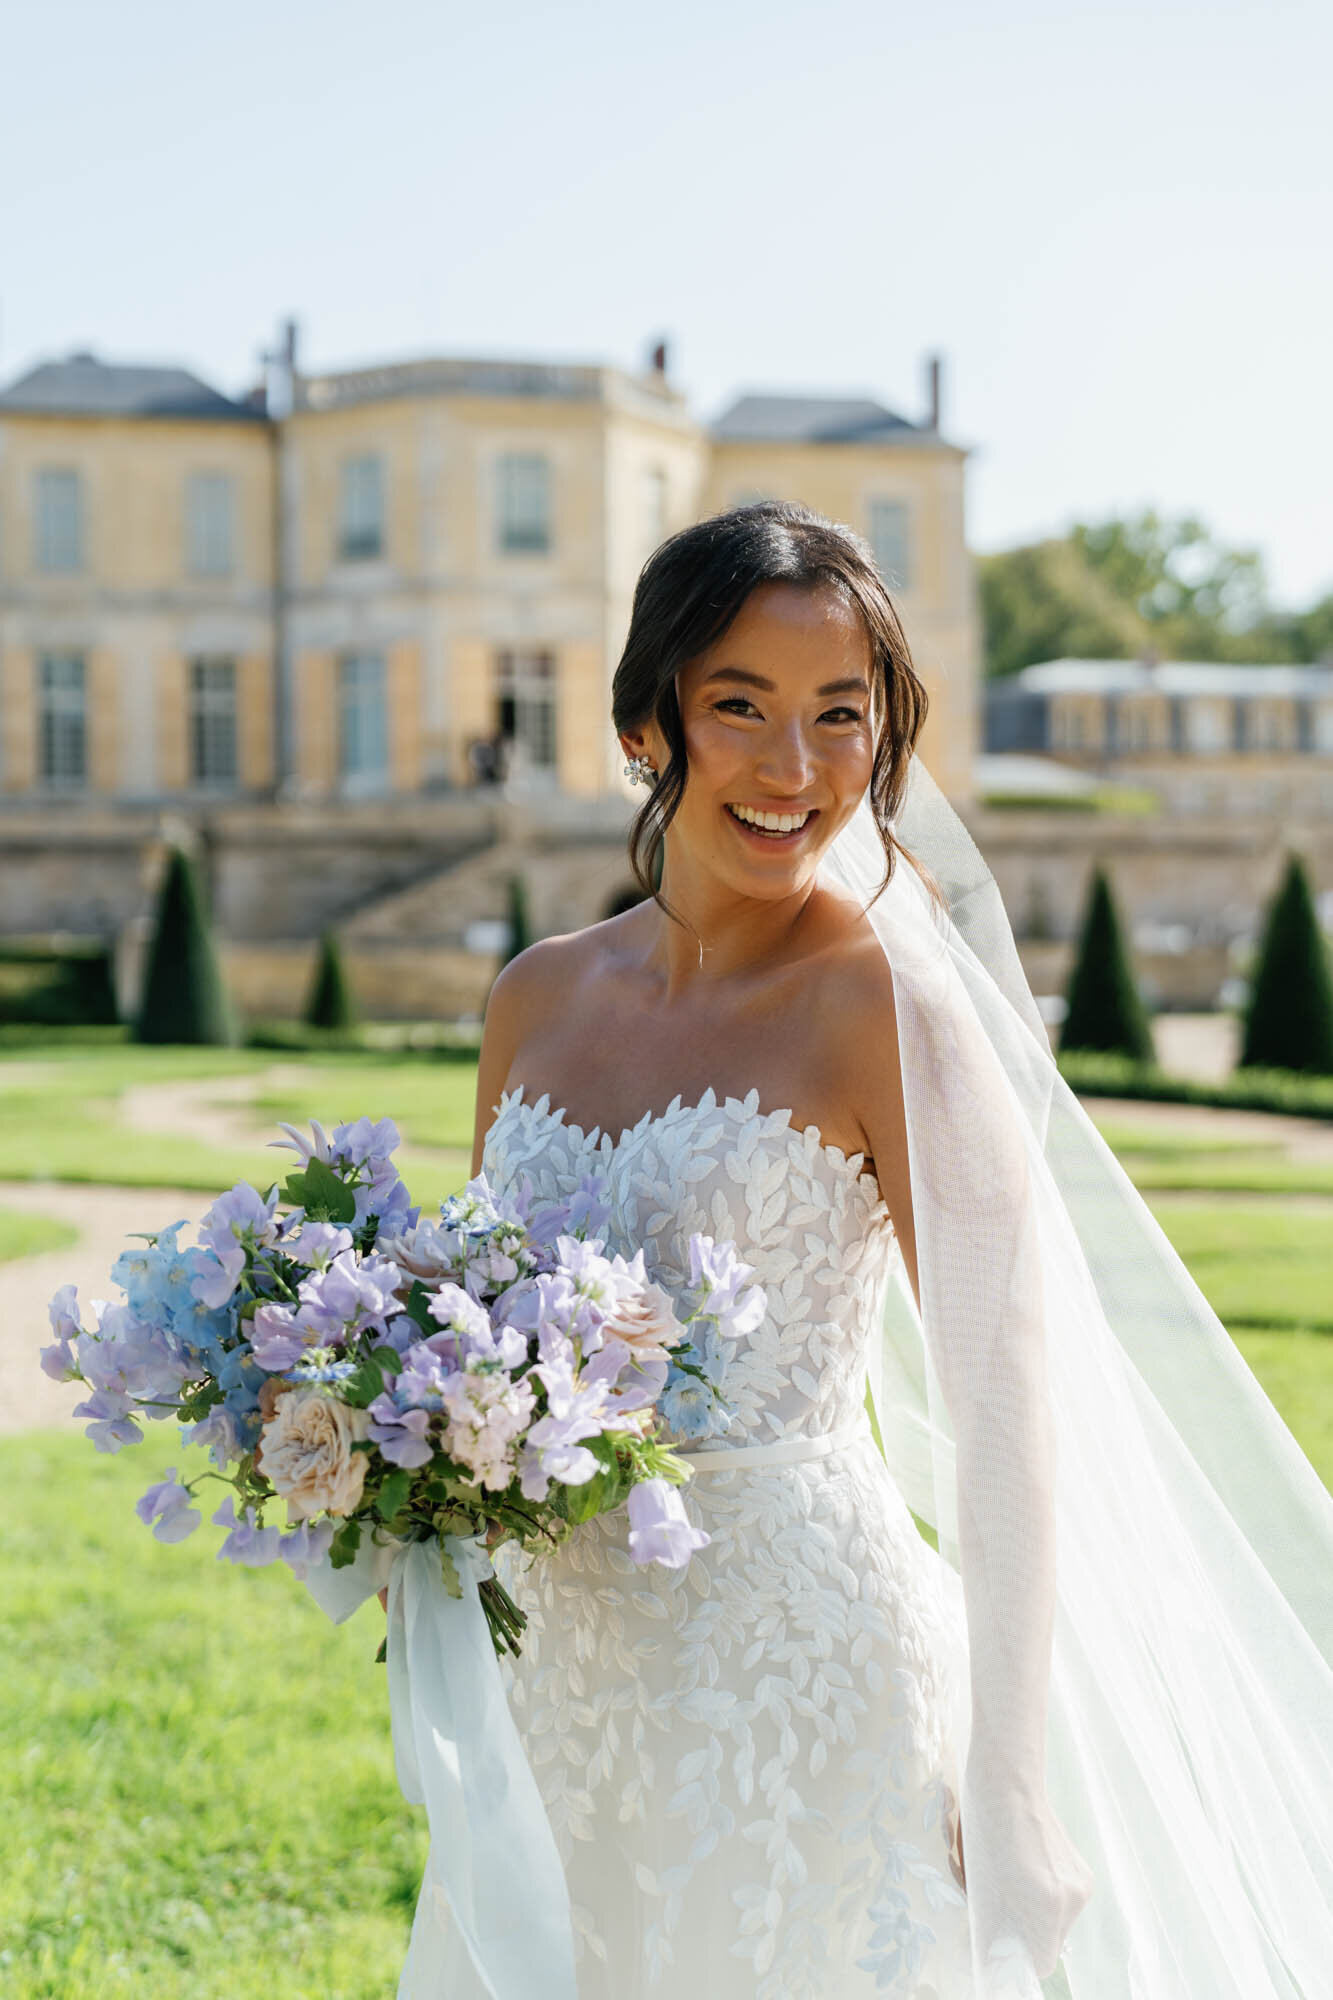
point(550, 974)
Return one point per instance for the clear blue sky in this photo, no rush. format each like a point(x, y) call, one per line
point(1114, 220)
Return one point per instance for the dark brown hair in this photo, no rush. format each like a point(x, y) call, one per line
point(688, 594)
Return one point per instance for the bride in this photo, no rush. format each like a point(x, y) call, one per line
point(812, 1763)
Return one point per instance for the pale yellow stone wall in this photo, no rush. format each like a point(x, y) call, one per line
point(581, 724)
point(173, 723)
point(254, 720)
point(18, 724)
point(404, 704)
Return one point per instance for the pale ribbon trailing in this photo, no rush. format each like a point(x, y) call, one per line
point(458, 1753)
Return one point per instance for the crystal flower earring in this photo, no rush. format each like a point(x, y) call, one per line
point(639, 770)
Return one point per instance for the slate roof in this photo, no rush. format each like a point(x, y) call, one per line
point(1181, 677)
point(812, 420)
point(86, 387)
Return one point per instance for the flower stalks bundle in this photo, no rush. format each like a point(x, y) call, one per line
point(492, 1373)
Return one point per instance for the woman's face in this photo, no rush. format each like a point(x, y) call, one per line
point(778, 725)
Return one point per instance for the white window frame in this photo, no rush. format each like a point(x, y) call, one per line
point(889, 532)
point(59, 521)
point(363, 722)
point(523, 492)
point(361, 507)
point(62, 720)
point(214, 746)
point(210, 523)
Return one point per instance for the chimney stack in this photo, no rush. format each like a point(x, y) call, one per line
point(934, 367)
point(659, 359)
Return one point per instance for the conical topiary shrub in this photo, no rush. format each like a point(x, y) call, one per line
point(184, 999)
point(1104, 1008)
point(520, 930)
point(1289, 1016)
point(330, 1004)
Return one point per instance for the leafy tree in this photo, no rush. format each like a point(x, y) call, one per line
point(1119, 588)
point(330, 1003)
point(184, 999)
point(1289, 1017)
point(1104, 1007)
point(1197, 597)
point(1046, 602)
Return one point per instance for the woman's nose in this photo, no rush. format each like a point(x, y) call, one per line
point(788, 760)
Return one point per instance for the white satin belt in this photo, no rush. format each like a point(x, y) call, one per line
point(782, 1451)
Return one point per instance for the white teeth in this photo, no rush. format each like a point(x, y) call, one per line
point(770, 822)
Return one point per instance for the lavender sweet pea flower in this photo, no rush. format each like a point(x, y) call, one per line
point(167, 1507)
point(59, 1360)
point(277, 1337)
point(400, 1434)
point(238, 1221)
point(317, 1243)
point(719, 1271)
point(220, 1432)
point(660, 1530)
point(254, 1546)
point(348, 1298)
point(112, 1424)
point(306, 1545)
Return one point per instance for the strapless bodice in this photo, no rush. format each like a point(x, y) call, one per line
point(815, 1229)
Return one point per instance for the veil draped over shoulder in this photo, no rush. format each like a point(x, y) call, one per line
point(1146, 1555)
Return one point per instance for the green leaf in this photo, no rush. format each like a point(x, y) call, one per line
point(318, 1190)
point(417, 1308)
point(393, 1494)
point(343, 1548)
point(453, 1582)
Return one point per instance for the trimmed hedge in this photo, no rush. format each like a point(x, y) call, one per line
point(184, 999)
point(1289, 1017)
point(1105, 1011)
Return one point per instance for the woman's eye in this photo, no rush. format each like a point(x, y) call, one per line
point(851, 714)
point(738, 701)
point(734, 701)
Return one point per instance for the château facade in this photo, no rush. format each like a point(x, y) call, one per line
point(373, 585)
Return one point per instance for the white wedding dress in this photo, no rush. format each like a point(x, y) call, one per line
point(751, 1766)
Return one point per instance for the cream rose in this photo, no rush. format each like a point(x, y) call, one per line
point(306, 1448)
point(647, 1324)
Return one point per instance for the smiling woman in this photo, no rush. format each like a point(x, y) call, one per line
point(774, 600)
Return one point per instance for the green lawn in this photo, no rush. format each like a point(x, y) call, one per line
point(195, 1766)
point(197, 1780)
point(28, 1235)
point(61, 1115)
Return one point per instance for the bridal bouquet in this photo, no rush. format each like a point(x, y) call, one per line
point(491, 1373)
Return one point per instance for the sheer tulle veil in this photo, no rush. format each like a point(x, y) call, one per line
point(1146, 1555)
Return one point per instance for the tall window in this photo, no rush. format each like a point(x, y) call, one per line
point(890, 538)
point(524, 500)
point(363, 730)
point(213, 721)
point(59, 520)
point(361, 508)
point(526, 687)
point(62, 719)
point(210, 508)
